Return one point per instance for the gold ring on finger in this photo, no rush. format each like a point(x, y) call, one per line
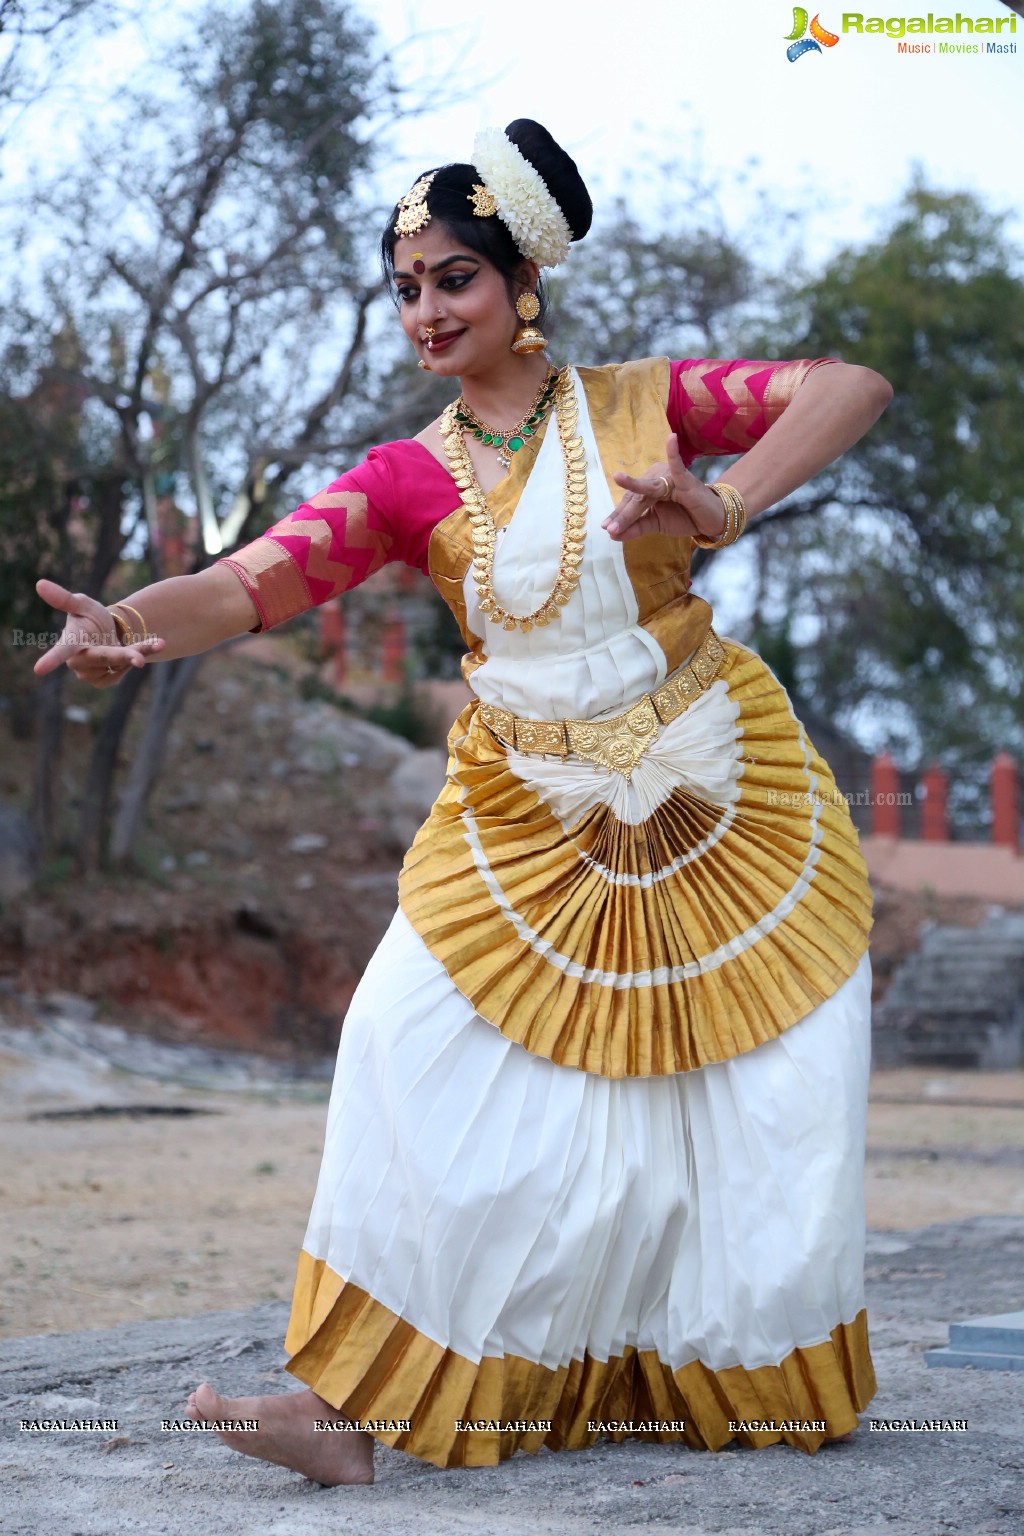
point(666, 482)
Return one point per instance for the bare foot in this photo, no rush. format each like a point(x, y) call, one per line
point(286, 1434)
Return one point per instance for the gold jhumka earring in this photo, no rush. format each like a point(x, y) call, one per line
point(528, 338)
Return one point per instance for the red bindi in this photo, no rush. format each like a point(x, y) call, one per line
point(419, 266)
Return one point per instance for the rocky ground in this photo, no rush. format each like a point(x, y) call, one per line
point(139, 1478)
point(266, 873)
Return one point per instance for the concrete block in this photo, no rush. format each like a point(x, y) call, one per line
point(1000, 1334)
point(976, 1358)
point(993, 1343)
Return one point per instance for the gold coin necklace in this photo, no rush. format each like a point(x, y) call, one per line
point(485, 535)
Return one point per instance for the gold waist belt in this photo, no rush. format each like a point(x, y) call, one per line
point(618, 743)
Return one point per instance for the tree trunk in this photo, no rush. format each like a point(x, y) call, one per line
point(172, 681)
point(49, 703)
point(107, 497)
point(94, 816)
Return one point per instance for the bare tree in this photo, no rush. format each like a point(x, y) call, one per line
point(37, 38)
point(213, 275)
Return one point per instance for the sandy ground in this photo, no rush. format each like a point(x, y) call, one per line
point(953, 1149)
point(117, 1217)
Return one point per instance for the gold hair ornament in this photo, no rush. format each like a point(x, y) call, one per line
point(484, 202)
point(413, 213)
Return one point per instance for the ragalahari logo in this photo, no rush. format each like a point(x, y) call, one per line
point(799, 43)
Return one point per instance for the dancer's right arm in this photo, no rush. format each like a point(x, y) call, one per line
point(184, 615)
point(384, 509)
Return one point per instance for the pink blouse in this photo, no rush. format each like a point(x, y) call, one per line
point(387, 507)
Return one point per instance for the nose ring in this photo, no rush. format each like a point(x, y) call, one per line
point(429, 332)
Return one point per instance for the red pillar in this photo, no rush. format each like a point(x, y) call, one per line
point(885, 790)
point(340, 657)
point(393, 649)
point(1004, 786)
point(934, 827)
point(332, 637)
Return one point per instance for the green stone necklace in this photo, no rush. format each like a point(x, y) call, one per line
point(509, 440)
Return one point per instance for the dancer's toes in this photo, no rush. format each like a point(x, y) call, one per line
point(205, 1403)
point(281, 1429)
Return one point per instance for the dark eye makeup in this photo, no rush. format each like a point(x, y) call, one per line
point(451, 282)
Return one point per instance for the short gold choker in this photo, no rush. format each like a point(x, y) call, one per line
point(508, 440)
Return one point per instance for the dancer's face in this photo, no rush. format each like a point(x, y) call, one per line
point(461, 294)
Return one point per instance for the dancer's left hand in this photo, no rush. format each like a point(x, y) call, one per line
point(690, 508)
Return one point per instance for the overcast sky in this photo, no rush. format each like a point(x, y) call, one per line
point(628, 85)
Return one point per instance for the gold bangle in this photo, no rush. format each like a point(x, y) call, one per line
point(737, 507)
point(134, 637)
point(122, 627)
point(735, 518)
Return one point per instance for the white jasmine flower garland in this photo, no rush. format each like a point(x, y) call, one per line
point(525, 206)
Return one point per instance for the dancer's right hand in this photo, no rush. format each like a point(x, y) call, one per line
point(89, 644)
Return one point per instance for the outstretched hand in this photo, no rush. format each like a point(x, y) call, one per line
point(89, 644)
point(667, 499)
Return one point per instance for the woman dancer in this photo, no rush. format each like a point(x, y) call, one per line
point(594, 1153)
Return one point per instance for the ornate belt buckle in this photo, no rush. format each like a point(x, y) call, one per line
point(618, 744)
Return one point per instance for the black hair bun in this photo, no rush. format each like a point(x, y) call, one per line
point(557, 170)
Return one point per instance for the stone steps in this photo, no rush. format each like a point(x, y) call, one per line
point(958, 1001)
point(986, 1343)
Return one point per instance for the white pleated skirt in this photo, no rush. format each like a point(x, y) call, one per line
point(503, 1207)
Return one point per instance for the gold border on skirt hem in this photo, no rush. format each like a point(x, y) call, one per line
point(369, 1363)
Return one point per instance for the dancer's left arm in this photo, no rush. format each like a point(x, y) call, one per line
point(831, 410)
